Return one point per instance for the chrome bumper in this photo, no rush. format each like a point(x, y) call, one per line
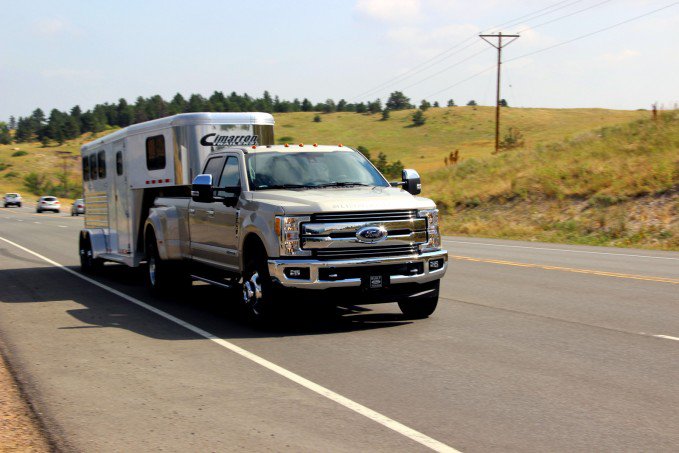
point(277, 269)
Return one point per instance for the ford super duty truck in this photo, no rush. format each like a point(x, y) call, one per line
point(273, 221)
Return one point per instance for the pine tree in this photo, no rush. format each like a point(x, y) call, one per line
point(5, 137)
point(306, 105)
point(12, 123)
point(418, 118)
point(398, 101)
point(451, 103)
point(385, 114)
point(178, 104)
point(424, 105)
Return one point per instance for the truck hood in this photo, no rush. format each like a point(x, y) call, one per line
point(310, 201)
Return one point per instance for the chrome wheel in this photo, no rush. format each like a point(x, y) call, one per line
point(252, 293)
point(152, 270)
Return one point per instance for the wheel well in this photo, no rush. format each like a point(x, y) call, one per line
point(149, 234)
point(252, 244)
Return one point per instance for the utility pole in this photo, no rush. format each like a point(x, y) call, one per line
point(499, 47)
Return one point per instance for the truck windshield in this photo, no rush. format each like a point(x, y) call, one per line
point(311, 169)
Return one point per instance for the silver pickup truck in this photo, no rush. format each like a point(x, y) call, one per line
point(299, 221)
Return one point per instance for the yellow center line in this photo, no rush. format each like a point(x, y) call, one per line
point(569, 269)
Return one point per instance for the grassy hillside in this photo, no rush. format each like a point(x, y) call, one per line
point(469, 129)
point(583, 175)
point(611, 186)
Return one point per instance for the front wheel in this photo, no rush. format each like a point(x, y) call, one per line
point(420, 307)
point(257, 289)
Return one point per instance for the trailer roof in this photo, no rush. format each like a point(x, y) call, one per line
point(185, 119)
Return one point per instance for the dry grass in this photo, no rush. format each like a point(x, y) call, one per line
point(614, 186)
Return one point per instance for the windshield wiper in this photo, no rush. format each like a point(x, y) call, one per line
point(284, 186)
point(342, 184)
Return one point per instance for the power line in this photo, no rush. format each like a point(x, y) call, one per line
point(577, 38)
point(564, 16)
point(601, 30)
point(445, 69)
point(431, 61)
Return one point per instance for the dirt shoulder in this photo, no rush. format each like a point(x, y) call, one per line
point(19, 429)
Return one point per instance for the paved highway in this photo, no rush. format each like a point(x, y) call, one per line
point(534, 347)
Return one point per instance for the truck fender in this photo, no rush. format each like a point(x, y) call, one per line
point(249, 235)
point(162, 221)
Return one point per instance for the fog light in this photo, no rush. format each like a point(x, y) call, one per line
point(435, 265)
point(297, 273)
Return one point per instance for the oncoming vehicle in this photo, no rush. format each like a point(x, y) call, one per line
point(78, 207)
point(12, 199)
point(48, 203)
point(208, 197)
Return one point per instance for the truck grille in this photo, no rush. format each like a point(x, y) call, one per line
point(365, 252)
point(364, 216)
point(333, 235)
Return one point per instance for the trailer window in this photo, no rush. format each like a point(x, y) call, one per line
point(93, 166)
point(102, 164)
point(86, 169)
point(155, 152)
point(119, 163)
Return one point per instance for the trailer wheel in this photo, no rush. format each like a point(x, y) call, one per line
point(420, 307)
point(257, 289)
point(88, 264)
point(162, 276)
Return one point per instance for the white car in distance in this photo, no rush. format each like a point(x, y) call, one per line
point(48, 203)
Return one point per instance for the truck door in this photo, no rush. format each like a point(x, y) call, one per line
point(204, 246)
point(223, 227)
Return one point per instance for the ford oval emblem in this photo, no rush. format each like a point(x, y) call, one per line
point(371, 234)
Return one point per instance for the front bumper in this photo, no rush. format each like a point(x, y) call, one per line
point(348, 273)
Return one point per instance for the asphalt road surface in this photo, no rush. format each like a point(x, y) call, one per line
point(534, 347)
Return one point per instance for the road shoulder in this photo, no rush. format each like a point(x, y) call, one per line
point(19, 427)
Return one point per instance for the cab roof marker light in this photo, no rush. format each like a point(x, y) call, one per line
point(340, 145)
point(315, 144)
point(254, 146)
point(286, 145)
point(301, 145)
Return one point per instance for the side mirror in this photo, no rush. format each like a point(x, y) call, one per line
point(201, 189)
point(411, 181)
point(231, 195)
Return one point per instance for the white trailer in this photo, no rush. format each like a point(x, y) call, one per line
point(125, 171)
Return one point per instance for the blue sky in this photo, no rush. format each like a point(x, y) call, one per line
point(63, 53)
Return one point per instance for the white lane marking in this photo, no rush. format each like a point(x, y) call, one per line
point(562, 250)
point(62, 226)
point(667, 337)
point(19, 220)
point(336, 397)
point(36, 222)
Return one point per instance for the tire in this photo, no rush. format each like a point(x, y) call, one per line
point(258, 292)
point(88, 264)
point(39, 211)
point(162, 276)
point(420, 307)
point(19, 205)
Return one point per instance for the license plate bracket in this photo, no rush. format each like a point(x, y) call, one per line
point(376, 281)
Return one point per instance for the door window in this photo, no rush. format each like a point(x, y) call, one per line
point(214, 168)
point(231, 174)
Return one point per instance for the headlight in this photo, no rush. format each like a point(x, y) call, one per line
point(433, 235)
point(288, 231)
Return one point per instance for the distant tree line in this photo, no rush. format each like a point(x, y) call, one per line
point(61, 126)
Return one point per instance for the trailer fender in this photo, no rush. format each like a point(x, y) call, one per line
point(97, 240)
